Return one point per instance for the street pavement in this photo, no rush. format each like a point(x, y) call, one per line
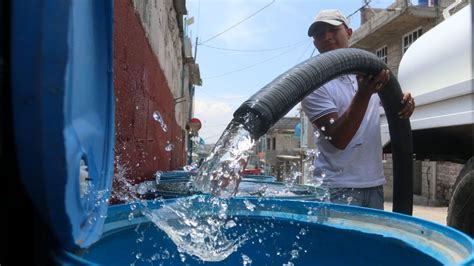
point(432, 214)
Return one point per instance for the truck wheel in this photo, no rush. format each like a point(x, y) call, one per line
point(461, 205)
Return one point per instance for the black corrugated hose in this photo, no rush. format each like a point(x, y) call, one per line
point(277, 98)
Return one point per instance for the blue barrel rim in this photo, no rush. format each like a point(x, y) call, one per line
point(117, 221)
point(314, 193)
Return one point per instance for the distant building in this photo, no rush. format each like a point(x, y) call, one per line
point(388, 33)
point(281, 147)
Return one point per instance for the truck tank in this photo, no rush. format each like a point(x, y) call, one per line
point(437, 70)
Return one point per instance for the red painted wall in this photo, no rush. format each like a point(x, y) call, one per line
point(141, 89)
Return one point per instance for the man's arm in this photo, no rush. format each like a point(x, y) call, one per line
point(340, 129)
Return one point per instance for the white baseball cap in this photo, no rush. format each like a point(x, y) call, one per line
point(329, 16)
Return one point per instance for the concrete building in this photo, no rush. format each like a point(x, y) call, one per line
point(388, 33)
point(281, 148)
point(155, 75)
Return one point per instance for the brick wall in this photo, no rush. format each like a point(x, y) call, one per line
point(141, 88)
point(447, 173)
point(437, 180)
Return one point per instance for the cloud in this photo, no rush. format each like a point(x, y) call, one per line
point(214, 117)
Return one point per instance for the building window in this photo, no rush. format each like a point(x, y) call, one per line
point(410, 38)
point(268, 143)
point(382, 54)
point(273, 143)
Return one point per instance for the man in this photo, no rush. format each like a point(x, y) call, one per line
point(345, 114)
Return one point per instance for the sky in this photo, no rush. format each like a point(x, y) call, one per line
point(238, 54)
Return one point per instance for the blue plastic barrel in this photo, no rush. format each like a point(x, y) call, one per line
point(265, 178)
point(183, 174)
point(63, 105)
point(179, 184)
point(63, 109)
point(283, 231)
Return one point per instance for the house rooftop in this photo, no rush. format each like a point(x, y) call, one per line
point(285, 124)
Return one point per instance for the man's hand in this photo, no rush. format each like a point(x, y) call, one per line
point(369, 85)
point(408, 106)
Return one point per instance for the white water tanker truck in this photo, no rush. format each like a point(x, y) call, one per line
point(437, 69)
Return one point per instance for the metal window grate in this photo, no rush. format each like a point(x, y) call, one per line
point(410, 38)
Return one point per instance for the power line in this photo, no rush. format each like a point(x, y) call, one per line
point(250, 66)
point(199, 17)
point(254, 50)
point(238, 23)
point(304, 52)
point(367, 2)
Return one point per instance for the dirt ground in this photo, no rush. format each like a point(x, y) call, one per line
point(433, 214)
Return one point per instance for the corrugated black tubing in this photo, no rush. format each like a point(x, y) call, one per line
point(273, 101)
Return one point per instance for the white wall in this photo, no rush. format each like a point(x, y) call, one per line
point(159, 21)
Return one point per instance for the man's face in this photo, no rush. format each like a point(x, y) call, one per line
point(327, 37)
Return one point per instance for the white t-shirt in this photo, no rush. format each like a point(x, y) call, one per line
point(359, 165)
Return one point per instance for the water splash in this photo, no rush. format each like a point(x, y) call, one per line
point(158, 176)
point(191, 167)
point(220, 174)
point(198, 226)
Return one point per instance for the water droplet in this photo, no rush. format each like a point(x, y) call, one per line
point(249, 205)
point(329, 138)
point(303, 231)
point(294, 254)
point(138, 255)
point(169, 146)
point(323, 128)
point(230, 224)
point(246, 260)
point(349, 200)
point(158, 118)
point(131, 216)
point(133, 207)
point(165, 255)
point(317, 134)
point(183, 257)
point(331, 121)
